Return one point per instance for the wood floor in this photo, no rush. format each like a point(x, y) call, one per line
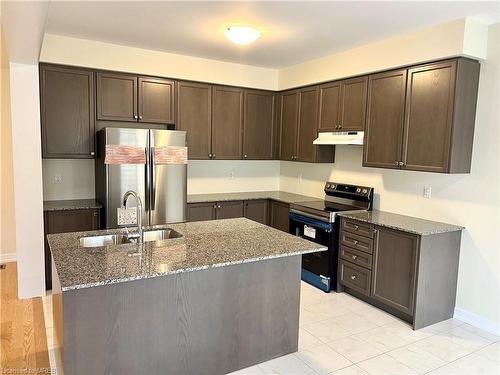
point(23, 338)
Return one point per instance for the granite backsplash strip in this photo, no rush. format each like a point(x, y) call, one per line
point(402, 222)
point(204, 244)
point(70, 204)
point(281, 196)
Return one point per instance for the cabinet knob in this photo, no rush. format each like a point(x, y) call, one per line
point(354, 257)
point(92, 153)
point(245, 156)
point(210, 156)
point(353, 277)
point(135, 116)
point(218, 206)
point(355, 242)
point(356, 227)
point(140, 117)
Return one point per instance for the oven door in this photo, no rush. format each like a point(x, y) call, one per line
point(316, 267)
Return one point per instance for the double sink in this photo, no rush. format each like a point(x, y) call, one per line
point(124, 238)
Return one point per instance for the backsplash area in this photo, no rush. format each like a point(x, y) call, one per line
point(68, 179)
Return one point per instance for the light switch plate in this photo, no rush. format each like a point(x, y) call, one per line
point(427, 191)
point(126, 216)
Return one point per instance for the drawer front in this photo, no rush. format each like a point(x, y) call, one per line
point(357, 257)
point(356, 242)
point(356, 227)
point(355, 277)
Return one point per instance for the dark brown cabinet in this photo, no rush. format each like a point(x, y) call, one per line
point(259, 124)
point(257, 210)
point(227, 122)
point(394, 269)
point(125, 97)
point(343, 105)
point(67, 112)
point(201, 211)
point(308, 124)
point(278, 216)
point(229, 210)
point(439, 113)
point(385, 117)
point(289, 115)
point(194, 115)
point(66, 221)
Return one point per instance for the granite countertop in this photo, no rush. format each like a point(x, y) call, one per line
point(401, 222)
point(277, 195)
point(70, 204)
point(204, 244)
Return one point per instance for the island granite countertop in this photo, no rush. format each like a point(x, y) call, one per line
point(204, 245)
point(70, 204)
point(403, 223)
point(277, 195)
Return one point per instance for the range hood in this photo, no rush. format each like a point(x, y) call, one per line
point(339, 138)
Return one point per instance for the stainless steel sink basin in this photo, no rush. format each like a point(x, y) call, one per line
point(119, 239)
point(109, 239)
point(160, 234)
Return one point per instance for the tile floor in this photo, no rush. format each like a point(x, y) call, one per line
point(342, 335)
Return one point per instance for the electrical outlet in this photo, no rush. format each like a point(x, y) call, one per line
point(231, 174)
point(427, 191)
point(126, 216)
point(57, 179)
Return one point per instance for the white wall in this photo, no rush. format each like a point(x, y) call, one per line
point(27, 164)
point(88, 53)
point(459, 37)
point(214, 176)
point(471, 200)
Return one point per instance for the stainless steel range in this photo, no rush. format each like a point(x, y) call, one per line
point(317, 221)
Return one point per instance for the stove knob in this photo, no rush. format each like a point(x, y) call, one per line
point(358, 190)
point(328, 186)
point(334, 186)
point(365, 191)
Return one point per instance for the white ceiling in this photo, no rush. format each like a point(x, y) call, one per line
point(293, 31)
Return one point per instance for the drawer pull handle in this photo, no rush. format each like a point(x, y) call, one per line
point(356, 227)
point(354, 257)
point(353, 277)
point(355, 242)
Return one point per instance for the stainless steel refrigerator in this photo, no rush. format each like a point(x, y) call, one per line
point(162, 187)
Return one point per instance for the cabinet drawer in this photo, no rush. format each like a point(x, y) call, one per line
point(355, 277)
point(357, 257)
point(356, 242)
point(353, 226)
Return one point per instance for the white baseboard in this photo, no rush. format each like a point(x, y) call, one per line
point(477, 321)
point(7, 257)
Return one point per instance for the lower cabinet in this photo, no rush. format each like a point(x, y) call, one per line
point(65, 221)
point(278, 217)
point(408, 275)
point(257, 210)
point(214, 210)
point(229, 210)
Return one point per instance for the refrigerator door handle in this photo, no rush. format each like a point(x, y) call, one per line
point(147, 179)
point(153, 179)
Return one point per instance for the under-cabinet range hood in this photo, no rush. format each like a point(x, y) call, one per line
point(339, 138)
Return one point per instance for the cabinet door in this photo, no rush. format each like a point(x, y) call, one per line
point(64, 222)
point(229, 210)
point(227, 123)
point(289, 124)
point(257, 210)
point(201, 211)
point(329, 107)
point(308, 123)
point(67, 112)
point(258, 128)
point(194, 115)
point(353, 107)
point(156, 100)
point(279, 215)
point(385, 120)
point(116, 97)
point(429, 116)
point(394, 269)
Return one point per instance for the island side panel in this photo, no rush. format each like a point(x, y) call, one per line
point(211, 321)
point(437, 278)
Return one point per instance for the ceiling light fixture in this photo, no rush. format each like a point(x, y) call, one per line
point(242, 35)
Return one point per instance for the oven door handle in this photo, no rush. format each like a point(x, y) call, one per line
point(327, 227)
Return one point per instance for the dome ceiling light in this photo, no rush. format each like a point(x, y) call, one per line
point(242, 35)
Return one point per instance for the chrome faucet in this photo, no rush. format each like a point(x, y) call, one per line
point(140, 230)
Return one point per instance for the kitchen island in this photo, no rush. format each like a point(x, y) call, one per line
point(223, 296)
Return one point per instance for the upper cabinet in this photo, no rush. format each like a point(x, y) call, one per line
point(343, 105)
point(194, 115)
point(437, 129)
point(308, 124)
point(289, 114)
point(67, 112)
point(124, 97)
point(259, 124)
point(227, 122)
